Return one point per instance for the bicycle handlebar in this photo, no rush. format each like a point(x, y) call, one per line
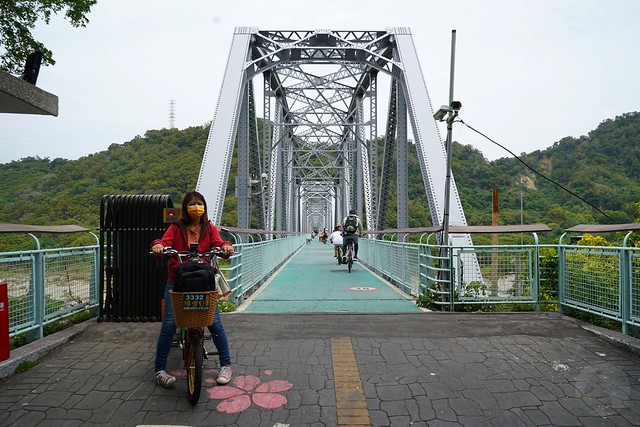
point(215, 251)
point(209, 255)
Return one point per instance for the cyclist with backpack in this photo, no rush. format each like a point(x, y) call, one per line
point(351, 230)
point(192, 227)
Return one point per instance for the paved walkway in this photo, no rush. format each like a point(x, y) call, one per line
point(339, 369)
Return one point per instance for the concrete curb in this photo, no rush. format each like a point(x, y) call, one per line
point(625, 342)
point(37, 349)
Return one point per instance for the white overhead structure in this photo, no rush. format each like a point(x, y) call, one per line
point(317, 154)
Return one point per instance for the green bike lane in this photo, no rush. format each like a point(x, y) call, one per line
point(313, 282)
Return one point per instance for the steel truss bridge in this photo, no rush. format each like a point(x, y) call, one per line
point(319, 151)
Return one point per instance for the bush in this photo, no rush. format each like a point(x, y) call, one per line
point(226, 306)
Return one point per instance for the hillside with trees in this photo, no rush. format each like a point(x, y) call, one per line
point(602, 167)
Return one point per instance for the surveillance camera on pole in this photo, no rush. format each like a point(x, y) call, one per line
point(441, 113)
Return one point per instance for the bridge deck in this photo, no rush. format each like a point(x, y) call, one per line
point(312, 282)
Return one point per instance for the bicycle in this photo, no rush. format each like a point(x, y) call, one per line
point(338, 253)
point(349, 255)
point(193, 311)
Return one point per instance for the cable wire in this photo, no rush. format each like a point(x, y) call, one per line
point(535, 171)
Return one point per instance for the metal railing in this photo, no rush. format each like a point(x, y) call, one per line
point(52, 284)
point(47, 285)
point(603, 281)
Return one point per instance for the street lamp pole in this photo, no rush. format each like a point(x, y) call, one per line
point(448, 113)
point(450, 118)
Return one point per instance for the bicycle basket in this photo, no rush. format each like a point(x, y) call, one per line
point(193, 309)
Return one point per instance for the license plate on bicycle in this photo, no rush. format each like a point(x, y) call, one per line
point(194, 301)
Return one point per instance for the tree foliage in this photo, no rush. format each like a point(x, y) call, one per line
point(19, 17)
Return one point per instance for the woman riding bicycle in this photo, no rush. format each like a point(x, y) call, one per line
point(193, 226)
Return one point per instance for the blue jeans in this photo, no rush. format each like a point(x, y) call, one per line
point(168, 330)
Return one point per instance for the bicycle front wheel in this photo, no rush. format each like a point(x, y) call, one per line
point(193, 364)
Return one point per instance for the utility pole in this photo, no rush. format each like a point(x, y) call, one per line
point(172, 114)
point(450, 118)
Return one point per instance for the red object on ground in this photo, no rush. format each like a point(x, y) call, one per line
point(4, 322)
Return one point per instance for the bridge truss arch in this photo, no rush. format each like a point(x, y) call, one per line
point(316, 155)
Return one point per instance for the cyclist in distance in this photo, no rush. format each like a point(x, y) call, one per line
point(351, 230)
point(324, 235)
point(336, 239)
point(193, 226)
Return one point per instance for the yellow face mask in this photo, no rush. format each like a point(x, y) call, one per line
point(195, 211)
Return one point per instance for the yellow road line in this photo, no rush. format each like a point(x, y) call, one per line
point(351, 406)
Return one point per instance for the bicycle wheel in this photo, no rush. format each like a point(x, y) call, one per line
point(339, 253)
point(193, 364)
point(350, 257)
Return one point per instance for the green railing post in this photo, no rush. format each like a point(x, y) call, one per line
point(625, 285)
point(536, 272)
point(38, 297)
point(561, 275)
point(236, 267)
point(625, 274)
point(94, 287)
point(451, 279)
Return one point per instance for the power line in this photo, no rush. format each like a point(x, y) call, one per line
point(535, 171)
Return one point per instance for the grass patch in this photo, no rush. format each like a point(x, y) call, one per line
point(53, 327)
point(25, 366)
point(595, 319)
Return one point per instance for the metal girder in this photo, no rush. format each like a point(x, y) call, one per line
point(320, 142)
point(258, 191)
point(216, 160)
point(388, 151)
point(402, 174)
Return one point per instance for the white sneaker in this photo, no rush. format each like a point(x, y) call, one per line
point(225, 375)
point(165, 380)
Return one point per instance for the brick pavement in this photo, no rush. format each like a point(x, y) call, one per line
point(424, 369)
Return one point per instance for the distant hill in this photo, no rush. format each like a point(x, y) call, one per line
point(602, 167)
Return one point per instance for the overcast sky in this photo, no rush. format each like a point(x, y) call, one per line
point(528, 72)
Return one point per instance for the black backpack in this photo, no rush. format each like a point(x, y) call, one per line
point(194, 275)
point(351, 224)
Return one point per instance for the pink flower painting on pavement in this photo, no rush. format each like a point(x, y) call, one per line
point(247, 389)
